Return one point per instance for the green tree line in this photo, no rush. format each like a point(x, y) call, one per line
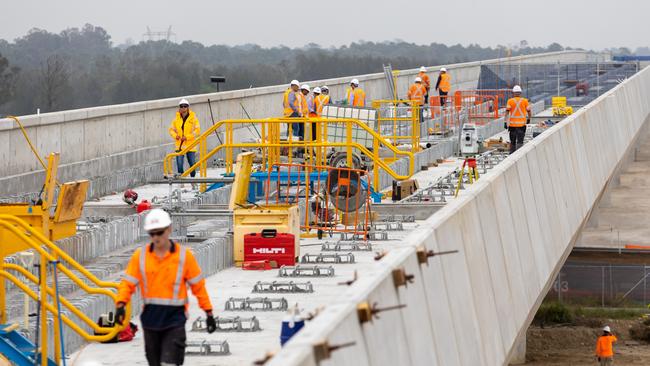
point(81, 67)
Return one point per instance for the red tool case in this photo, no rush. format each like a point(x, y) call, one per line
point(270, 245)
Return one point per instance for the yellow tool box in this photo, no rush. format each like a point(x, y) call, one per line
point(282, 218)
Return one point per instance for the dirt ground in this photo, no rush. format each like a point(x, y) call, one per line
point(575, 345)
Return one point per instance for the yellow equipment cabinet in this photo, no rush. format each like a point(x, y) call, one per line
point(282, 218)
point(248, 220)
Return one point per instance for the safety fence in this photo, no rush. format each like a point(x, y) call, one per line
point(579, 82)
point(604, 285)
point(274, 146)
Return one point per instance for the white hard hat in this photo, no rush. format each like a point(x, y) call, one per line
point(305, 87)
point(324, 87)
point(157, 219)
point(423, 69)
point(607, 329)
point(418, 79)
point(317, 90)
point(516, 89)
point(295, 82)
point(183, 101)
point(355, 82)
point(443, 69)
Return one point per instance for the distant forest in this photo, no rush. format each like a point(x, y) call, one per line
point(80, 67)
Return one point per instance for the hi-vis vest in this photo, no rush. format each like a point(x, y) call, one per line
point(163, 281)
point(445, 83)
point(518, 108)
point(321, 101)
point(285, 102)
point(356, 97)
point(416, 92)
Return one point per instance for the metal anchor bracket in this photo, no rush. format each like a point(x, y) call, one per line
point(345, 246)
point(256, 304)
point(323, 350)
point(424, 254)
point(400, 278)
point(367, 312)
point(306, 271)
point(283, 287)
point(328, 258)
point(207, 348)
point(229, 324)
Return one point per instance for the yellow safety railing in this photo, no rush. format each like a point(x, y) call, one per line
point(404, 129)
point(271, 144)
point(49, 252)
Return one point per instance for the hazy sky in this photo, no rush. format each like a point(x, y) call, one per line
point(593, 24)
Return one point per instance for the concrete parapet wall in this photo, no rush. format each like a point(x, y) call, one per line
point(513, 230)
point(117, 137)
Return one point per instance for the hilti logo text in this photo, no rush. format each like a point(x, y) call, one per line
point(268, 250)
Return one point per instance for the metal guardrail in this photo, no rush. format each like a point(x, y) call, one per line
point(271, 144)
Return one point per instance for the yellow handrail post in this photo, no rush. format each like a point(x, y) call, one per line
point(203, 150)
point(43, 305)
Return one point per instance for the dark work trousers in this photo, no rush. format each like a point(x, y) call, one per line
point(165, 346)
point(297, 129)
point(426, 97)
point(516, 137)
point(443, 97)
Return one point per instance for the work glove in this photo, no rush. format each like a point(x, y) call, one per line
point(210, 323)
point(505, 125)
point(120, 313)
point(527, 120)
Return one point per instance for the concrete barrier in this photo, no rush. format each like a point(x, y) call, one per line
point(100, 140)
point(513, 229)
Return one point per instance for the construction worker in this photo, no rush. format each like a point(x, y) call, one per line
point(416, 93)
point(162, 270)
point(426, 81)
point(325, 91)
point(317, 94)
point(289, 102)
point(443, 86)
point(292, 104)
point(184, 129)
point(309, 109)
point(604, 348)
point(355, 96)
point(517, 116)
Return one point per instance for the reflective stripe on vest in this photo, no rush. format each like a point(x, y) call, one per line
point(517, 115)
point(195, 280)
point(131, 279)
point(179, 272)
point(143, 273)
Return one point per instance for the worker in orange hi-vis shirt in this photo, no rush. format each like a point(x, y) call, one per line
point(604, 347)
point(163, 270)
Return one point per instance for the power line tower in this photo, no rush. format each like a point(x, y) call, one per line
point(167, 35)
